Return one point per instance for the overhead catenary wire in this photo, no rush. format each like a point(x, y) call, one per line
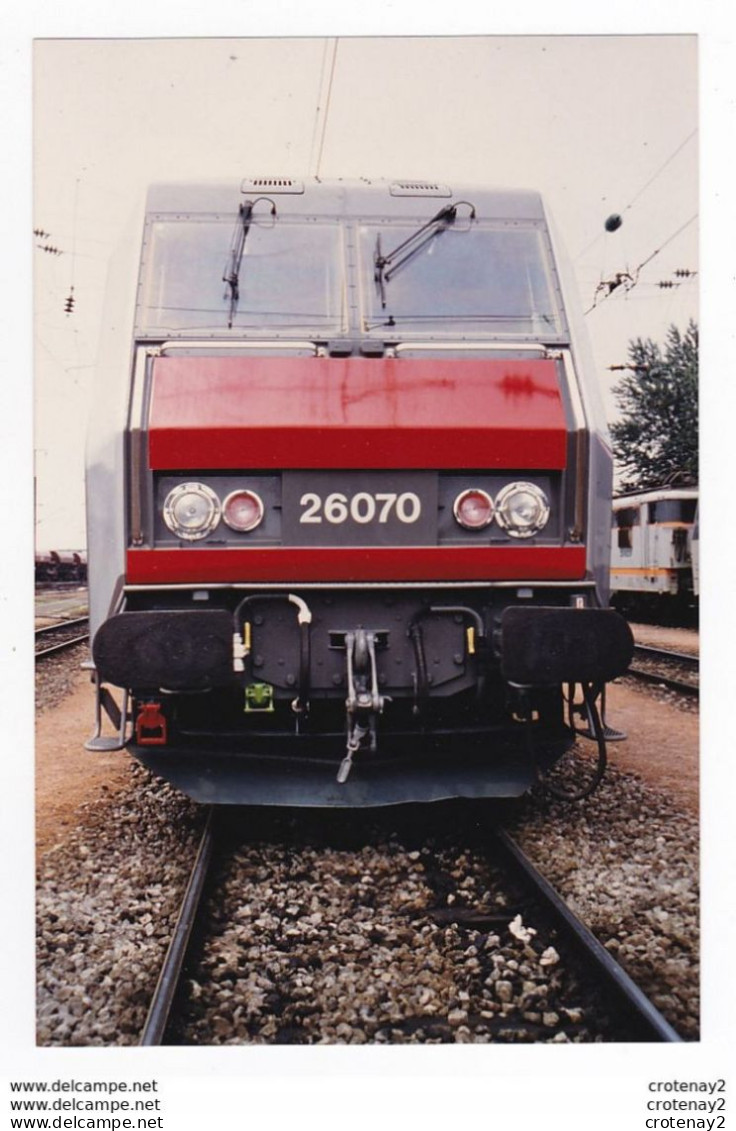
point(328, 99)
point(669, 240)
point(643, 189)
point(318, 107)
point(70, 300)
point(628, 280)
point(661, 169)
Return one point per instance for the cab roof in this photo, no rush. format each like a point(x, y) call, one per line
point(363, 197)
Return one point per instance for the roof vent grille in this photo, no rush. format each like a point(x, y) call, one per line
point(419, 188)
point(271, 184)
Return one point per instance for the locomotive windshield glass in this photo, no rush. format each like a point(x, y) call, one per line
point(491, 279)
point(287, 277)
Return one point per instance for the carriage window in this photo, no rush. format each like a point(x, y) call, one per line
point(289, 277)
point(627, 516)
point(623, 520)
point(673, 510)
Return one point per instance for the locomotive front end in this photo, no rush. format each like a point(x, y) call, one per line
point(366, 527)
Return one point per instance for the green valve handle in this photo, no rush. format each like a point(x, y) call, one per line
point(259, 697)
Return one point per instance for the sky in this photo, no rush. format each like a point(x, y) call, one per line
point(600, 124)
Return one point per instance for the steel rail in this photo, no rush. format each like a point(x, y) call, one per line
point(58, 586)
point(44, 653)
point(168, 980)
point(636, 1002)
point(685, 659)
point(677, 685)
point(60, 626)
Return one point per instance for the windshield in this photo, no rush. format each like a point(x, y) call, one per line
point(290, 277)
point(491, 279)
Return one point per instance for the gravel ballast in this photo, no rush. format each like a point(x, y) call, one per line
point(107, 900)
point(56, 676)
point(387, 943)
point(349, 938)
point(626, 862)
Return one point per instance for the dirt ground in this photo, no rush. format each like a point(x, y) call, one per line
point(662, 745)
point(662, 748)
point(67, 775)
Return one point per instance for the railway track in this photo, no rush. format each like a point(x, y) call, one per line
point(677, 671)
point(646, 1020)
point(56, 638)
point(173, 964)
point(619, 1009)
point(60, 586)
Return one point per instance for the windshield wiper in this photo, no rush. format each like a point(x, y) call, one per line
point(232, 271)
point(413, 244)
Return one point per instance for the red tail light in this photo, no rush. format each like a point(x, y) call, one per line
point(473, 509)
point(242, 510)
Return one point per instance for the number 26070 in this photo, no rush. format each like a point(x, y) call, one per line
point(363, 507)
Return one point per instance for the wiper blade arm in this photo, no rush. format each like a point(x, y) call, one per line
point(412, 244)
point(379, 262)
point(231, 275)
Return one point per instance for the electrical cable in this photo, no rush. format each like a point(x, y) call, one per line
point(327, 106)
point(70, 300)
point(319, 103)
point(629, 280)
point(644, 187)
point(661, 169)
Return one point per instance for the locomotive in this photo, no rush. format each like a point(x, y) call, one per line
point(654, 549)
point(348, 496)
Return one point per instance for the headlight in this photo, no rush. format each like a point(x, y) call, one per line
point(522, 509)
point(473, 509)
point(191, 511)
point(242, 510)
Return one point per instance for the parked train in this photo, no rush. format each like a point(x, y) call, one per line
point(695, 552)
point(652, 551)
point(60, 565)
point(349, 496)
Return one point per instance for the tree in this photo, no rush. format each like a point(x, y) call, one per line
point(656, 439)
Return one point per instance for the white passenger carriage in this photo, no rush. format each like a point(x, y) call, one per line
point(651, 543)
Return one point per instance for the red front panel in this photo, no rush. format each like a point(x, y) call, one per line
point(286, 412)
point(442, 563)
point(236, 413)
